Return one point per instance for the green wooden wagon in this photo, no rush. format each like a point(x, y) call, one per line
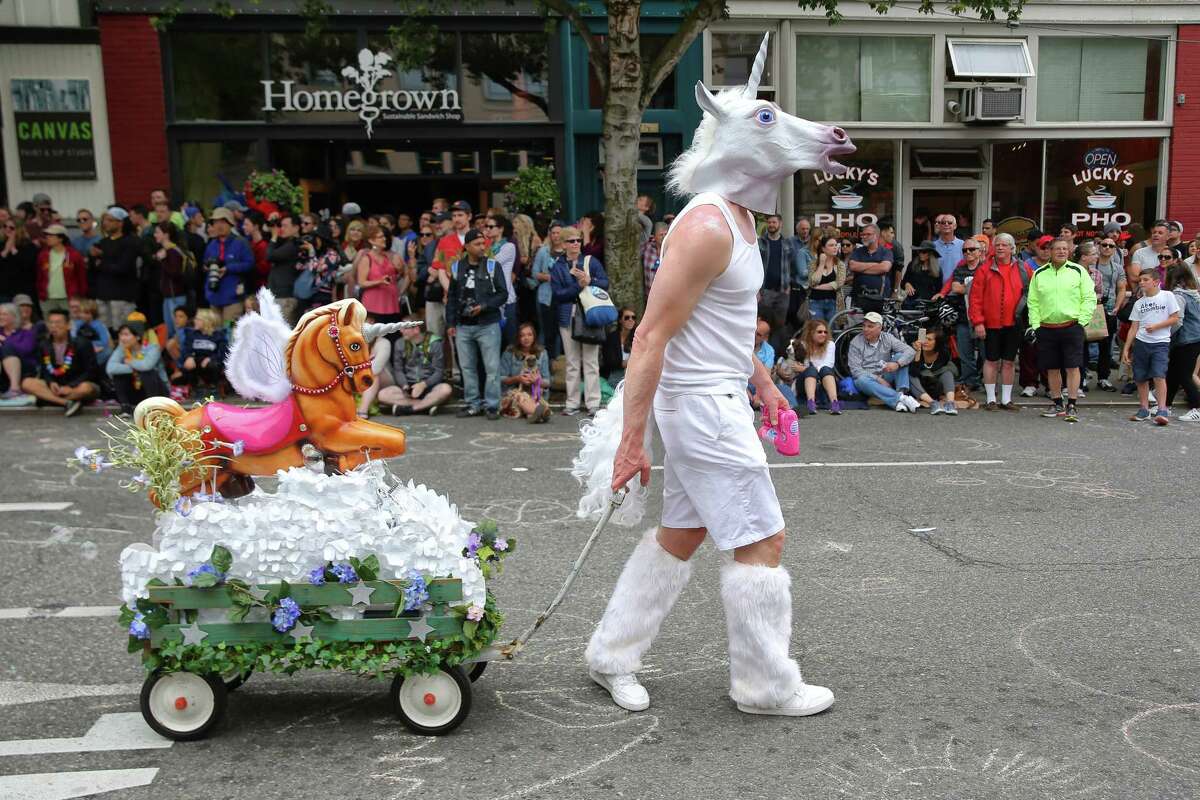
point(184, 705)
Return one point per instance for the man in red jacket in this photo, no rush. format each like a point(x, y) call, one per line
point(997, 294)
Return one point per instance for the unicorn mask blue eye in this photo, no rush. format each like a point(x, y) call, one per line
point(745, 146)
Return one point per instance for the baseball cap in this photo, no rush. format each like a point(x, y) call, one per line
point(442, 217)
point(1111, 228)
point(1175, 225)
point(56, 230)
point(222, 213)
point(22, 300)
point(472, 235)
point(461, 205)
point(190, 211)
point(136, 322)
point(234, 205)
point(118, 213)
point(1045, 241)
point(41, 199)
point(351, 210)
point(873, 316)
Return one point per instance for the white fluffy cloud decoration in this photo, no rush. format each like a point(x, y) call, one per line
point(312, 518)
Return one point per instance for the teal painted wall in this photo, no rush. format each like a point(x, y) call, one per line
point(581, 181)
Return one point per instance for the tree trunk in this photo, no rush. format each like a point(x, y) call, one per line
point(621, 133)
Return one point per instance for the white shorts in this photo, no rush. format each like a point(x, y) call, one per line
point(716, 469)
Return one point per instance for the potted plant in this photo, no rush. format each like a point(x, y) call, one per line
point(273, 190)
point(534, 191)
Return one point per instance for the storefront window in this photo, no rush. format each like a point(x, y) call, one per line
point(1016, 185)
point(313, 65)
point(1093, 182)
point(506, 77)
point(1110, 78)
point(507, 159)
point(863, 78)
point(733, 57)
point(216, 76)
point(438, 70)
point(203, 164)
point(424, 161)
point(864, 195)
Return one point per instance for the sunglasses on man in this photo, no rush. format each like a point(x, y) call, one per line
point(1108, 245)
point(970, 249)
point(573, 241)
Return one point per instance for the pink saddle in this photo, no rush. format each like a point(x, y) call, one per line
point(261, 430)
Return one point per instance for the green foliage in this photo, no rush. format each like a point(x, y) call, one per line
point(986, 9)
point(274, 186)
point(162, 451)
point(534, 192)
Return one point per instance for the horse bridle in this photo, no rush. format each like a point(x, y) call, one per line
point(347, 371)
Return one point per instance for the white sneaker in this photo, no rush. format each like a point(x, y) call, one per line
point(625, 690)
point(912, 402)
point(902, 406)
point(1191, 416)
point(808, 699)
point(1029, 391)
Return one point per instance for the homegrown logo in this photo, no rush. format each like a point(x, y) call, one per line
point(433, 105)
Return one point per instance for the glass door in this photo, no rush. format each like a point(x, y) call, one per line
point(927, 200)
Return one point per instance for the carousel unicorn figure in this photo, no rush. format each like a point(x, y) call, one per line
point(308, 375)
point(692, 359)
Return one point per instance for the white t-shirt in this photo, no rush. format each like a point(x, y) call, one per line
point(822, 359)
point(1151, 310)
point(1146, 258)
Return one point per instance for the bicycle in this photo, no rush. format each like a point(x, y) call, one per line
point(903, 323)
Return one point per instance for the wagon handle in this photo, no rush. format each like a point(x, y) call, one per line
point(510, 651)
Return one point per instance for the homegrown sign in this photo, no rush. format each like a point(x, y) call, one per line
point(438, 105)
point(53, 121)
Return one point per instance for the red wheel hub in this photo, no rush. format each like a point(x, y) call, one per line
point(430, 698)
point(181, 703)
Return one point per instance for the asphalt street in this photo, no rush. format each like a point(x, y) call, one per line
point(1005, 606)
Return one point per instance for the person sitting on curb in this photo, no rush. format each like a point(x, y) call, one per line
point(934, 368)
point(877, 363)
point(67, 372)
point(525, 374)
point(417, 369)
point(136, 368)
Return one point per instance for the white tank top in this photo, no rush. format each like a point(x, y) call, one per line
point(714, 351)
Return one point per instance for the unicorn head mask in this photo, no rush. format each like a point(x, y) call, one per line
point(745, 146)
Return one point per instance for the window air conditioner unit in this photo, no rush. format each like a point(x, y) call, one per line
point(993, 103)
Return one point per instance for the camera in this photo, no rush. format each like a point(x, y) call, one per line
point(212, 273)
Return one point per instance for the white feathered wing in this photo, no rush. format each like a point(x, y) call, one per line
point(593, 467)
point(255, 367)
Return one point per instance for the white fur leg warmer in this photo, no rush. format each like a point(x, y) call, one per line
point(758, 614)
point(648, 587)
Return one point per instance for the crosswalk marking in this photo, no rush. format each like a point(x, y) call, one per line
point(67, 785)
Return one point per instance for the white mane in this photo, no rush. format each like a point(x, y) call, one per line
point(683, 168)
point(255, 367)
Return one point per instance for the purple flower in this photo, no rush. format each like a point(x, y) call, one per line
point(183, 506)
point(416, 594)
point(474, 542)
point(474, 613)
point(345, 573)
point(284, 618)
point(500, 545)
point(238, 448)
point(138, 627)
point(205, 568)
point(317, 576)
point(142, 479)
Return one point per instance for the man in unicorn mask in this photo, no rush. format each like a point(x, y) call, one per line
point(692, 358)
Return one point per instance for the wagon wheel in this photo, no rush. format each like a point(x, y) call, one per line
point(233, 679)
point(476, 671)
point(432, 705)
point(183, 706)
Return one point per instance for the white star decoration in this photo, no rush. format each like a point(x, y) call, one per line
point(192, 634)
point(419, 628)
point(300, 631)
point(361, 594)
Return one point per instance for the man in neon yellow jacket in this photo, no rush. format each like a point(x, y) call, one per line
point(1062, 297)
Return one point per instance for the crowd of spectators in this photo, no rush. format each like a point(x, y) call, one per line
point(140, 300)
point(1000, 314)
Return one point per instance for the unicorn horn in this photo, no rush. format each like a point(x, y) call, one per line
point(760, 61)
point(374, 330)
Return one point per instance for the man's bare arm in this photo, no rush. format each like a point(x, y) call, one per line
point(699, 251)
